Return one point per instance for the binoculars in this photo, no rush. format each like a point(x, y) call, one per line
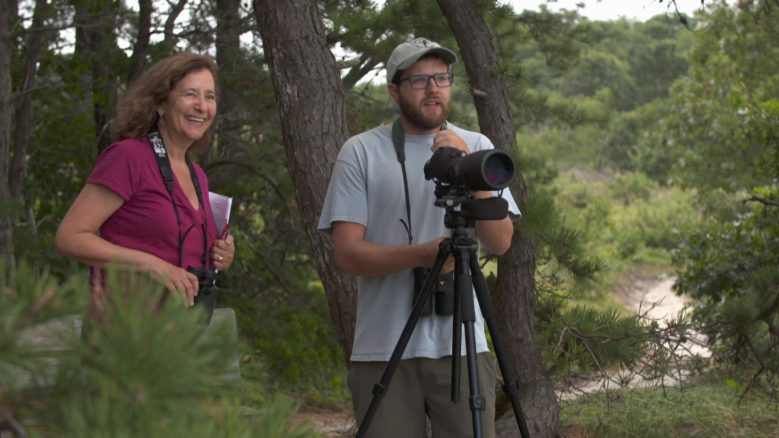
point(442, 298)
point(207, 290)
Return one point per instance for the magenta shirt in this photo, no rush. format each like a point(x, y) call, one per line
point(146, 220)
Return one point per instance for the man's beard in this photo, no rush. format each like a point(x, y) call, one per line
point(421, 121)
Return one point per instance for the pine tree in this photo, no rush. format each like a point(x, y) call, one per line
point(146, 371)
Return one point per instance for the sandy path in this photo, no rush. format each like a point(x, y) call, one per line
point(658, 296)
point(657, 299)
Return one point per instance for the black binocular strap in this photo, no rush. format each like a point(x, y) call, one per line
point(399, 139)
point(161, 154)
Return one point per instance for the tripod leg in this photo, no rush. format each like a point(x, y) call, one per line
point(462, 285)
point(380, 389)
point(511, 384)
point(464, 293)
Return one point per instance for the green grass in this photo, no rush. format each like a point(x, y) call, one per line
point(706, 410)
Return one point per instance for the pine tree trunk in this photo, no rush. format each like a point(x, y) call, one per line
point(310, 98)
point(228, 57)
point(6, 111)
point(96, 23)
point(515, 290)
point(142, 41)
point(36, 39)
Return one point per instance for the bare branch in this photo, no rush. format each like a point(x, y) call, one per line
point(765, 201)
point(170, 22)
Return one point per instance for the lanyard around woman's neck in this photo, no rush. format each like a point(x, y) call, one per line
point(161, 154)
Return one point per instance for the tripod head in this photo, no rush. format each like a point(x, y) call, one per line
point(463, 209)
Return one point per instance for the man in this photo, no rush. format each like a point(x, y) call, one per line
point(384, 224)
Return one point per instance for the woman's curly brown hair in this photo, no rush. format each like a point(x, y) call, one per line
point(136, 112)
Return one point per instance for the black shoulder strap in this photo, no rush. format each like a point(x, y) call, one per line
point(199, 193)
point(161, 154)
point(195, 180)
point(163, 162)
point(399, 139)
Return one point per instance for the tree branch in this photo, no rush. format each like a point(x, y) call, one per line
point(765, 201)
point(7, 423)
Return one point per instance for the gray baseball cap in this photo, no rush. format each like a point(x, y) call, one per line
point(406, 54)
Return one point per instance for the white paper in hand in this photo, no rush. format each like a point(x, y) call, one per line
point(220, 206)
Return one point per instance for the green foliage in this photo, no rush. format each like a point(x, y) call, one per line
point(558, 247)
point(599, 109)
point(725, 132)
point(142, 372)
point(597, 71)
point(723, 124)
point(585, 339)
point(730, 268)
point(625, 220)
point(296, 347)
point(555, 38)
point(29, 299)
point(700, 411)
point(572, 338)
point(631, 63)
point(656, 55)
point(630, 147)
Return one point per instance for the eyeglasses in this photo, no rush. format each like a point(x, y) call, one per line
point(421, 81)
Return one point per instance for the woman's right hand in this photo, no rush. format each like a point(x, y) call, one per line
point(178, 281)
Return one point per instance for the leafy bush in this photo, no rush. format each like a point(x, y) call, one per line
point(729, 267)
point(293, 348)
point(626, 219)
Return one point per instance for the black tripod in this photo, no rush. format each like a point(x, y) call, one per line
point(467, 273)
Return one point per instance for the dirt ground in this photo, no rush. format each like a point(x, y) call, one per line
point(330, 423)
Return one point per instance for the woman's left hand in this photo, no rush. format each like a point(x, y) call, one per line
point(222, 253)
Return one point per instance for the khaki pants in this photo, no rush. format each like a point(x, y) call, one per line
point(421, 388)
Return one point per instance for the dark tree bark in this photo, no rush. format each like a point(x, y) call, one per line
point(35, 40)
point(8, 16)
point(228, 34)
point(170, 22)
point(366, 64)
point(142, 40)
point(96, 21)
point(228, 57)
point(515, 290)
point(310, 98)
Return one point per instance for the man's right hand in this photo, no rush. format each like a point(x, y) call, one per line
point(356, 256)
point(430, 250)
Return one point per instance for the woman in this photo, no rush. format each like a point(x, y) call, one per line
point(143, 226)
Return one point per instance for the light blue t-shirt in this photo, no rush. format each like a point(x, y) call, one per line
point(366, 188)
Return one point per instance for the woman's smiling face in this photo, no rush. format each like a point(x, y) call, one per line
point(190, 108)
